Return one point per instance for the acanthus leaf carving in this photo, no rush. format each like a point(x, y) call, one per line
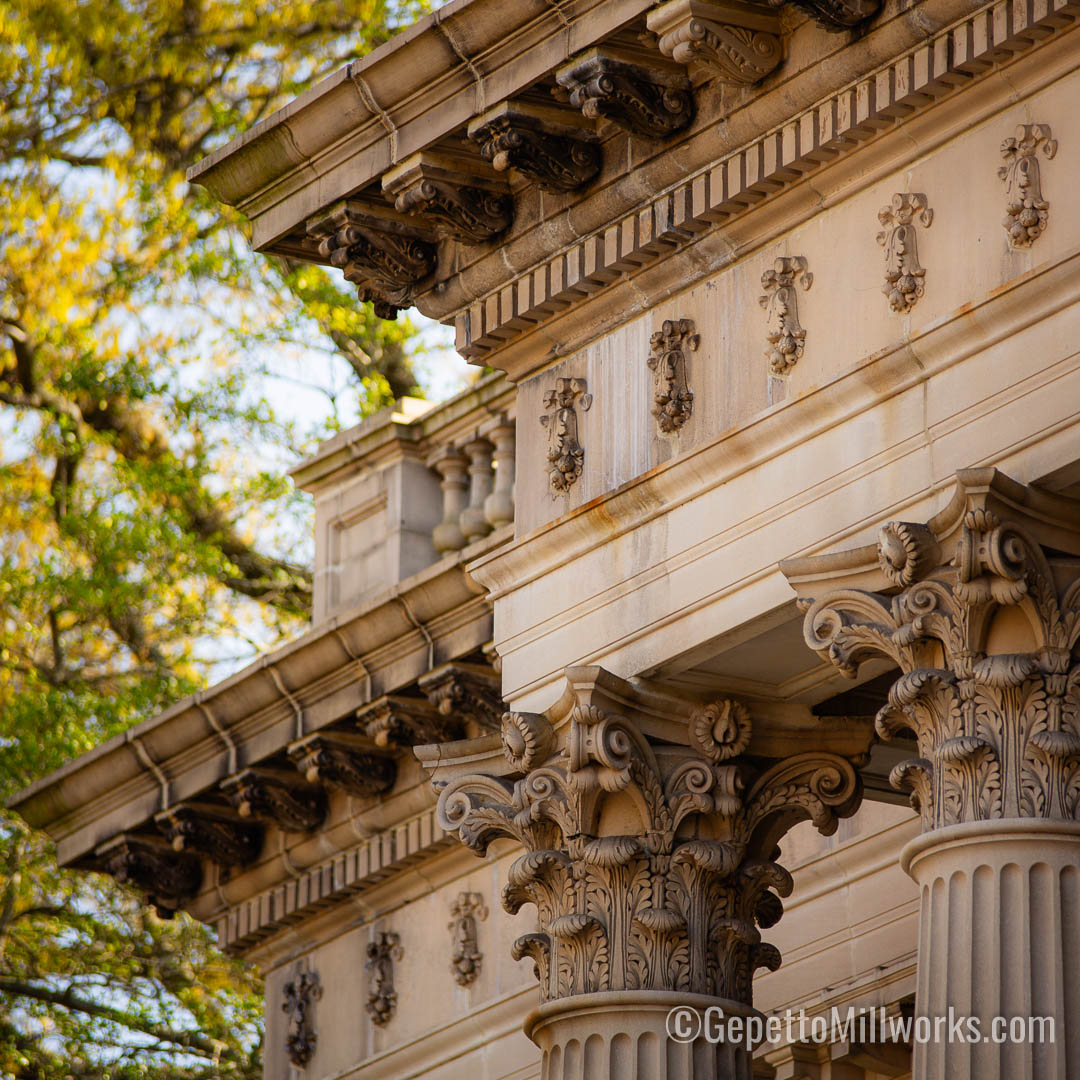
point(673, 400)
point(998, 732)
point(470, 694)
point(472, 214)
point(382, 997)
point(565, 454)
point(396, 722)
point(384, 260)
point(641, 101)
point(835, 15)
point(905, 276)
point(631, 890)
point(559, 162)
point(301, 1039)
point(465, 957)
point(786, 335)
point(290, 804)
point(339, 760)
point(738, 44)
point(167, 877)
point(1026, 209)
point(225, 841)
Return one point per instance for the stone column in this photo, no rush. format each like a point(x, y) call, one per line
point(451, 466)
point(499, 505)
point(979, 609)
point(649, 854)
point(473, 522)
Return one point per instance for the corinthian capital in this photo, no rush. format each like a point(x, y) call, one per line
point(649, 843)
point(979, 609)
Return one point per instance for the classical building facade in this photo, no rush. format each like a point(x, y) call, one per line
point(731, 618)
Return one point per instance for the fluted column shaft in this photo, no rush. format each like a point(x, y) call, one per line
point(999, 937)
point(979, 608)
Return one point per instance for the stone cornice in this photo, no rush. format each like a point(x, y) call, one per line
point(488, 329)
point(434, 616)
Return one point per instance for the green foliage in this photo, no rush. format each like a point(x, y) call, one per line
point(146, 533)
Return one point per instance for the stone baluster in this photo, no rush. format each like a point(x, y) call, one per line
point(979, 609)
point(649, 855)
point(499, 505)
point(474, 524)
point(451, 466)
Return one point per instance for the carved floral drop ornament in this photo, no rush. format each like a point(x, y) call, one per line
point(673, 400)
point(904, 275)
point(301, 1038)
point(465, 959)
point(382, 997)
point(1026, 209)
point(984, 630)
point(785, 333)
point(565, 454)
point(651, 864)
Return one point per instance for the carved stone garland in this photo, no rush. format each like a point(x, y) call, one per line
point(904, 276)
point(465, 958)
point(651, 865)
point(300, 993)
point(785, 333)
point(998, 732)
point(673, 400)
point(565, 454)
point(1026, 209)
point(382, 997)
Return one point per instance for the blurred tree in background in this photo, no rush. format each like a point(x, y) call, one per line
point(146, 533)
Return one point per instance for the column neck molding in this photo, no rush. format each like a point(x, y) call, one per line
point(979, 609)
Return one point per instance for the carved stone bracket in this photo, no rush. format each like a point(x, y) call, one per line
point(738, 43)
point(346, 762)
point(980, 611)
point(300, 994)
point(401, 722)
point(566, 455)
point(781, 303)
point(465, 958)
point(646, 97)
point(168, 878)
point(461, 201)
point(384, 258)
point(835, 15)
point(540, 142)
point(1026, 209)
point(285, 800)
point(673, 400)
point(651, 862)
point(468, 694)
point(904, 276)
point(382, 997)
point(224, 840)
